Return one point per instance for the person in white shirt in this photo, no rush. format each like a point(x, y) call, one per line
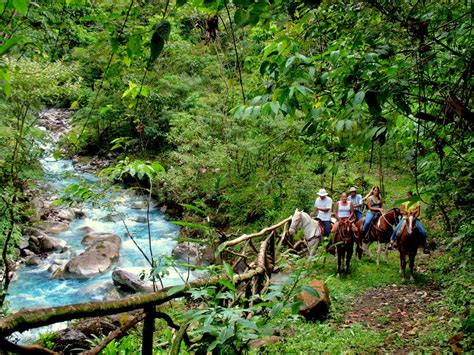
point(356, 200)
point(323, 206)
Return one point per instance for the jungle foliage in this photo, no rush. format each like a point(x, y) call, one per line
point(250, 106)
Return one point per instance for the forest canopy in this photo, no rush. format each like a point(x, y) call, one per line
point(234, 113)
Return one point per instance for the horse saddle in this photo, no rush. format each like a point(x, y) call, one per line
point(376, 221)
point(321, 228)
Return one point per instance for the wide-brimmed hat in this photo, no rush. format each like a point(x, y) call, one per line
point(322, 192)
point(352, 189)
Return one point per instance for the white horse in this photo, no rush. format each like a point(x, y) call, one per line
point(311, 229)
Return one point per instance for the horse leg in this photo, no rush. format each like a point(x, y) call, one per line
point(349, 253)
point(311, 247)
point(386, 253)
point(379, 251)
point(402, 264)
point(366, 248)
point(359, 249)
point(411, 257)
point(339, 261)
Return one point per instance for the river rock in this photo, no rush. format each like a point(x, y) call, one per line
point(68, 340)
point(139, 205)
point(34, 232)
point(92, 238)
point(112, 217)
point(140, 219)
point(85, 230)
point(44, 243)
point(56, 227)
point(197, 253)
point(23, 244)
point(26, 252)
point(95, 326)
point(129, 282)
point(313, 307)
point(67, 215)
point(48, 244)
point(53, 268)
point(95, 260)
point(98, 288)
point(33, 260)
point(78, 213)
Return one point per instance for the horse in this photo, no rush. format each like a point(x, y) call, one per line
point(312, 229)
point(344, 239)
point(409, 241)
point(380, 230)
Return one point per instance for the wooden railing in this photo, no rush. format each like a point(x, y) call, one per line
point(253, 267)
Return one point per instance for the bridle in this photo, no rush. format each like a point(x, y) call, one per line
point(299, 219)
point(386, 220)
point(342, 236)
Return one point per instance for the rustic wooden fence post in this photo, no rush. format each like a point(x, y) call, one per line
point(271, 252)
point(148, 330)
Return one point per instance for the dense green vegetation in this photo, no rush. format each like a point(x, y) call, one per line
point(251, 117)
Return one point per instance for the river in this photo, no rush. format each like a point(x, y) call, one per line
point(33, 286)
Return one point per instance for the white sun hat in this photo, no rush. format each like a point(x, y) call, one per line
point(352, 189)
point(322, 192)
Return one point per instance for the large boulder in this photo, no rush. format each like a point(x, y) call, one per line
point(34, 260)
point(95, 260)
point(315, 307)
point(42, 243)
point(33, 232)
point(92, 238)
point(128, 282)
point(66, 214)
point(48, 244)
point(55, 227)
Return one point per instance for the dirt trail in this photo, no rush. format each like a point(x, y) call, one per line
point(401, 310)
point(404, 312)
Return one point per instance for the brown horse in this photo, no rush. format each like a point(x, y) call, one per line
point(380, 230)
point(344, 240)
point(409, 241)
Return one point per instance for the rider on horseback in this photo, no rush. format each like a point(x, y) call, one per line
point(405, 209)
point(323, 205)
point(344, 211)
point(357, 202)
point(374, 205)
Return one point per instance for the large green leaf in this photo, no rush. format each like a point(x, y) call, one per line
point(358, 98)
point(163, 29)
point(21, 6)
point(160, 35)
point(134, 45)
point(5, 48)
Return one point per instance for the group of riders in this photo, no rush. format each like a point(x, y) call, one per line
point(350, 207)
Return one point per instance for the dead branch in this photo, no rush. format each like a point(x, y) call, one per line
point(264, 231)
point(24, 349)
point(116, 334)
